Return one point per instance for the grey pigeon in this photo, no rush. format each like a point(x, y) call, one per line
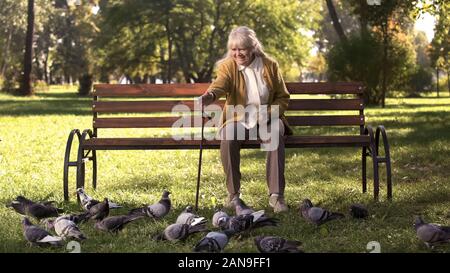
point(358, 211)
point(99, 211)
point(241, 208)
point(317, 215)
point(180, 232)
point(65, 228)
point(273, 244)
point(38, 236)
point(247, 222)
point(190, 218)
point(87, 201)
point(115, 223)
point(38, 210)
point(219, 217)
point(157, 210)
point(214, 241)
point(431, 234)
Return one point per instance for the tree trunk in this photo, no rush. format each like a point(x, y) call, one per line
point(437, 81)
point(385, 63)
point(26, 87)
point(448, 81)
point(6, 53)
point(170, 46)
point(46, 78)
point(336, 24)
point(363, 17)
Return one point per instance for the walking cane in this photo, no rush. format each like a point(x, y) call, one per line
point(199, 162)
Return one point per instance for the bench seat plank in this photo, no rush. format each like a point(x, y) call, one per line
point(170, 143)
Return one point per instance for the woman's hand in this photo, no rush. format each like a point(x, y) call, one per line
point(207, 98)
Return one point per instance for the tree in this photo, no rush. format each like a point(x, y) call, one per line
point(184, 39)
point(13, 29)
point(440, 45)
point(26, 87)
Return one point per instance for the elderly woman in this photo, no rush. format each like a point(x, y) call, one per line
point(251, 79)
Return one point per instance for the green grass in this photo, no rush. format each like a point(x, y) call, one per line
point(33, 133)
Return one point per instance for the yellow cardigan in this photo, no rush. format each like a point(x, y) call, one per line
point(230, 82)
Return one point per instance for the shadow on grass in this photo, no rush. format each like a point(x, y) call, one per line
point(46, 103)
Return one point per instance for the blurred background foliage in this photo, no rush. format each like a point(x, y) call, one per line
point(163, 41)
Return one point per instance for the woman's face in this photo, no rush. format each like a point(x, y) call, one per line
point(242, 56)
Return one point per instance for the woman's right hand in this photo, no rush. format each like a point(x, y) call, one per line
point(207, 98)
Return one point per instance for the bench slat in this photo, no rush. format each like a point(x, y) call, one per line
point(169, 143)
point(167, 122)
point(325, 120)
point(325, 88)
point(167, 106)
point(326, 104)
point(150, 90)
point(197, 89)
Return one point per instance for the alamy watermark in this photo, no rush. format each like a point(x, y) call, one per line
point(243, 123)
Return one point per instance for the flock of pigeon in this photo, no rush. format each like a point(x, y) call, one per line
point(187, 223)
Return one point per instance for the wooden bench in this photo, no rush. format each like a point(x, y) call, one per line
point(308, 101)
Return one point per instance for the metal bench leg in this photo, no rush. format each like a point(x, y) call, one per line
point(80, 170)
point(81, 162)
point(372, 152)
point(364, 169)
point(68, 163)
point(386, 159)
point(94, 169)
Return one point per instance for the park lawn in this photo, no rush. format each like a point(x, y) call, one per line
point(34, 130)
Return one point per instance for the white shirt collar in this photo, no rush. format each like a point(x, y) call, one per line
point(253, 65)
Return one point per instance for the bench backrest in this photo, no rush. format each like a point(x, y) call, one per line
point(308, 101)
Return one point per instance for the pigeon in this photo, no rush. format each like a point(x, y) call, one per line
point(65, 228)
point(317, 215)
point(218, 217)
point(189, 218)
point(87, 202)
point(38, 236)
point(99, 211)
point(157, 210)
point(358, 211)
point(37, 210)
point(431, 234)
point(273, 244)
point(180, 232)
point(115, 223)
point(214, 241)
point(77, 218)
point(247, 222)
point(241, 208)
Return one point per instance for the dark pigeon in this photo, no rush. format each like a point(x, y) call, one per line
point(37, 210)
point(115, 223)
point(99, 211)
point(431, 234)
point(157, 210)
point(87, 201)
point(38, 236)
point(359, 211)
point(65, 228)
point(190, 218)
point(273, 244)
point(214, 241)
point(317, 215)
point(247, 222)
point(175, 232)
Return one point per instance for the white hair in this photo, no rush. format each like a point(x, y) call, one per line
point(243, 37)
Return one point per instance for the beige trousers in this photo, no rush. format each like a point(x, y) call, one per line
point(230, 146)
